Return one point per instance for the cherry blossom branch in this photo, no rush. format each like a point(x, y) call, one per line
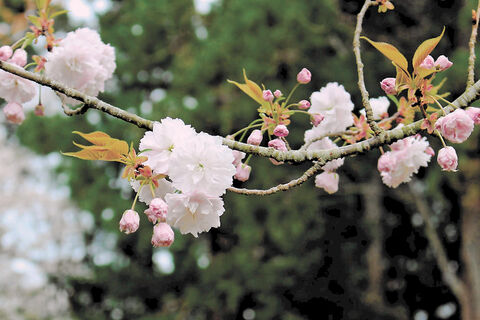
point(471, 45)
point(456, 284)
point(358, 59)
point(281, 187)
point(386, 137)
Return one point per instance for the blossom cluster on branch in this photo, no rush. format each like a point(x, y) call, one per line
point(182, 175)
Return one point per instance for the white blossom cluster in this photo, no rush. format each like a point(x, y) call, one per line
point(199, 170)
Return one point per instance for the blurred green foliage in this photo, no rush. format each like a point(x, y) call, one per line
point(294, 255)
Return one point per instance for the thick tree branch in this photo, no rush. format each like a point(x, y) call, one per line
point(281, 187)
point(471, 45)
point(358, 59)
point(386, 137)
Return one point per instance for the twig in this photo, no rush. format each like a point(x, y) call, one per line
point(69, 111)
point(451, 279)
point(281, 187)
point(361, 81)
point(471, 45)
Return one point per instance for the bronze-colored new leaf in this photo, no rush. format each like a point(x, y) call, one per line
point(391, 53)
point(104, 147)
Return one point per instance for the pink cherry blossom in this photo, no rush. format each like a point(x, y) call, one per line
point(447, 159)
point(14, 113)
point(237, 157)
point(163, 235)
point(428, 63)
point(304, 76)
point(327, 181)
point(456, 126)
point(129, 222)
point(255, 137)
point(317, 118)
point(388, 85)
point(442, 63)
point(280, 131)
point(277, 93)
point(267, 95)
point(19, 58)
point(5, 53)
point(243, 172)
point(304, 104)
point(157, 211)
point(474, 114)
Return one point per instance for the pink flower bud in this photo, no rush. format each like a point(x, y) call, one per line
point(474, 114)
point(237, 157)
point(19, 57)
point(163, 235)
point(129, 222)
point(428, 63)
point(5, 53)
point(304, 104)
point(430, 151)
point(267, 95)
point(327, 181)
point(277, 93)
point(277, 144)
point(255, 137)
point(388, 85)
point(316, 119)
point(157, 211)
point(456, 126)
point(304, 76)
point(39, 110)
point(243, 172)
point(280, 131)
point(447, 159)
point(14, 113)
point(443, 63)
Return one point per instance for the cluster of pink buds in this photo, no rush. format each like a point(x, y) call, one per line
point(242, 169)
point(156, 213)
point(442, 63)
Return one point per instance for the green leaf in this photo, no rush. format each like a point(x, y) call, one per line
point(391, 53)
point(35, 20)
point(56, 14)
point(425, 49)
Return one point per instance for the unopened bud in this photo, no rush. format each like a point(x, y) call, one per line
point(316, 119)
point(129, 222)
point(19, 57)
point(304, 104)
point(39, 110)
point(304, 76)
point(255, 137)
point(243, 172)
point(267, 95)
point(5, 53)
point(163, 235)
point(388, 85)
point(443, 63)
point(280, 131)
point(277, 93)
point(157, 210)
point(14, 113)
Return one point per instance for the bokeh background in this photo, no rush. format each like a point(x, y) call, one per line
point(361, 253)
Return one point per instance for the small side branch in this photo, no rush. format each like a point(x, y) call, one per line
point(358, 59)
point(471, 45)
point(451, 279)
point(281, 187)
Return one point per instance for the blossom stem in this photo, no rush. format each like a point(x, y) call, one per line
point(249, 127)
point(291, 92)
point(153, 191)
point(441, 107)
point(248, 159)
point(246, 128)
point(449, 103)
point(17, 44)
point(471, 45)
point(136, 196)
point(441, 138)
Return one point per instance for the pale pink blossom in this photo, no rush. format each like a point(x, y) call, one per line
point(280, 131)
point(129, 222)
point(388, 85)
point(5, 53)
point(19, 58)
point(160, 143)
point(237, 157)
point(442, 63)
point(16, 89)
point(81, 61)
point(163, 235)
point(202, 163)
point(428, 62)
point(243, 172)
point(193, 212)
point(447, 159)
point(316, 119)
point(327, 181)
point(474, 114)
point(14, 113)
point(255, 137)
point(456, 126)
point(304, 76)
point(157, 210)
point(267, 95)
point(304, 104)
point(379, 107)
point(405, 159)
point(277, 93)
